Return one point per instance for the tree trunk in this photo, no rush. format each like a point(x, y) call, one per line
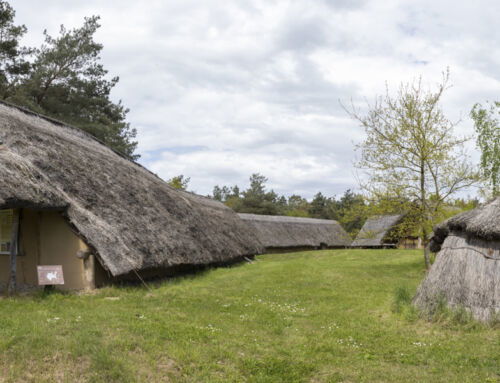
point(14, 246)
point(427, 255)
point(424, 216)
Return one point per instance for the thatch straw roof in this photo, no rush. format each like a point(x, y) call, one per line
point(375, 231)
point(482, 222)
point(289, 232)
point(131, 218)
point(466, 272)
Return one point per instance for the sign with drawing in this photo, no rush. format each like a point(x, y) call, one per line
point(50, 275)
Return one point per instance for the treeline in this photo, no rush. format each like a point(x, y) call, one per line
point(350, 209)
point(63, 79)
point(257, 199)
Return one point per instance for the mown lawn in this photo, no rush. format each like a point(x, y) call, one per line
point(321, 316)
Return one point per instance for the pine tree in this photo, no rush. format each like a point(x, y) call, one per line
point(68, 82)
point(14, 66)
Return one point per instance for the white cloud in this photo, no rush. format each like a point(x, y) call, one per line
point(220, 90)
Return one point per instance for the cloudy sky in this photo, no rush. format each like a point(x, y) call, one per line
point(222, 89)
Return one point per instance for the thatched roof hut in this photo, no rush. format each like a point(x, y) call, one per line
point(129, 217)
point(376, 231)
point(466, 272)
point(281, 232)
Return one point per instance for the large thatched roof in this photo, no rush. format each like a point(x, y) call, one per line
point(466, 272)
point(288, 232)
point(375, 230)
point(129, 216)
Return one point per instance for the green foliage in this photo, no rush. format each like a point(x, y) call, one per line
point(179, 182)
point(411, 152)
point(487, 125)
point(318, 207)
point(225, 193)
point(317, 316)
point(297, 206)
point(257, 200)
point(65, 80)
point(351, 210)
point(14, 66)
point(69, 83)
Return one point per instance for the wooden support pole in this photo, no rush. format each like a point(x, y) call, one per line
point(14, 248)
point(89, 272)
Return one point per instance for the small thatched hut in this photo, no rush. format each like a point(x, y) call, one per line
point(376, 232)
point(466, 272)
point(66, 199)
point(294, 233)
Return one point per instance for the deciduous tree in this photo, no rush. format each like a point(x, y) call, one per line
point(411, 151)
point(487, 124)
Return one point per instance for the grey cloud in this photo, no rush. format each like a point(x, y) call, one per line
point(344, 4)
point(310, 92)
point(303, 34)
point(221, 90)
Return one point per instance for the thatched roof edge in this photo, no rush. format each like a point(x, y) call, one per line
point(74, 128)
point(482, 222)
point(132, 218)
point(376, 229)
point(288, 232)
point(285, 218)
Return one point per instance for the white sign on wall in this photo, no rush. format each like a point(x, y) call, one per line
point(50, 275)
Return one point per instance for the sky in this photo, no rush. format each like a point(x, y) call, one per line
point(218, 90)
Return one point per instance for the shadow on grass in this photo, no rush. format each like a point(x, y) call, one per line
point(174, 275)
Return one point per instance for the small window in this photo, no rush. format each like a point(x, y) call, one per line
point(6, 218)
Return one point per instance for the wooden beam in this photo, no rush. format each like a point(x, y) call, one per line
point(14, 248)
point(89, 272)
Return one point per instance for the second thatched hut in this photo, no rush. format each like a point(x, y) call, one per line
point(466, 272)
point(377, 232)
point(281, 233)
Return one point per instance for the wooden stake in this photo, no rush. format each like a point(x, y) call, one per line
point(14, 247)
point(89, 272)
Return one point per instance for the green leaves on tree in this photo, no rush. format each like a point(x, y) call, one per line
point(487, 125)
point(64, 79)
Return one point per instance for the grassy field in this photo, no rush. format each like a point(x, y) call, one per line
point(323, 316)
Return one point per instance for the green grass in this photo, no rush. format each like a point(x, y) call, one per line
point(324, 316)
